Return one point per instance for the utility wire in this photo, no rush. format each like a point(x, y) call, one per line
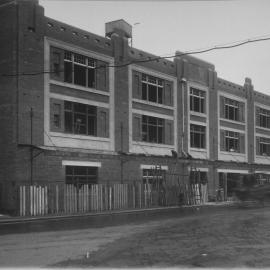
point(149, 59)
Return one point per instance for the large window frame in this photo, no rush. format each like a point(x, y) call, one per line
point(80, 118)
point(264, 116)
point(197, 100)
point(153, 129)
point(197, 136)
point(79, 69)
point(232, 141)
point(81, 175)
point(152, 89)
point(264, 146)
point(153, 176)
point(232, 109)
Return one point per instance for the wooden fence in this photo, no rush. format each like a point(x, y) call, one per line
point(67, 199)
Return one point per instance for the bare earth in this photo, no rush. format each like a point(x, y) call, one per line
point(229, 238)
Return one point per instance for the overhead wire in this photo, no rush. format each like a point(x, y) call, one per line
point(151, 59)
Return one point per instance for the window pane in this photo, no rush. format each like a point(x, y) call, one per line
point(144, 91)
point(92, 125)
point(68, 72)
point(80, 170)
point(79, 123)
point(152, 134)
point(91, 77)
point(68, 105)
point(160, 134)
point(160, 95)
point(152, 92)
point(196, 104)
point(79, 75)
point(202, 106)
point(68, 122)
point(79, 107)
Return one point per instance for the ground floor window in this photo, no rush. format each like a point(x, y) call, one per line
point(81, 175)
point(154, 176)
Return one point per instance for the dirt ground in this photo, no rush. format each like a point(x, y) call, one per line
point(232, 238)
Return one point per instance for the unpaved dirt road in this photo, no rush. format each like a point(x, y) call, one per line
point(233, 238)
point(228, 238)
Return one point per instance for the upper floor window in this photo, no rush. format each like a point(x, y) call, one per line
point(152, 89)
point(79, 69)
point(149, 88)
point(232, 109)
point(197, 100)
point(80, 118)
point(153, 129)
point(232, 141)
point(81, 175)
point(264, 118)
point(263, 146)
point(197, 136)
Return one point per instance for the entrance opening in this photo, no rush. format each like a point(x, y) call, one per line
point(229, 182)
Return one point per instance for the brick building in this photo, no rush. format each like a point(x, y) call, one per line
point(75, 106)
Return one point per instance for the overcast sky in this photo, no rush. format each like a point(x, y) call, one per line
point(167, 26)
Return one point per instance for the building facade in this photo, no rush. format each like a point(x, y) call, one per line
point(78, 107)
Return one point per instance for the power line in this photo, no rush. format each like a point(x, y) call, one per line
point(149, 59)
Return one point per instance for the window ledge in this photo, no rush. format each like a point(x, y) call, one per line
point(233, 153)
point(80, 137)
point(153, 104)
point(232, 121)
point(153, 144)
point(263, 128)
point(198, 149)
point(198, 114)
point(77, 87)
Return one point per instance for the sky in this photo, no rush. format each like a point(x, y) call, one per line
point(163, 27)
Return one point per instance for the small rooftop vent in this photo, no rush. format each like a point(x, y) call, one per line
point(120, 27)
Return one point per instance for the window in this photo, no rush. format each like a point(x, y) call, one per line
point(264, 146)
point(232, 141)
point(197, 136)
point(80, 118)
point(56, 115)
point(152, 89)
point(264, 116)
point(56, 63)
point(79, 69)
point(197, 100)
point(154, 176)
point(81, 175)
point(153, 129)
point(231, 109)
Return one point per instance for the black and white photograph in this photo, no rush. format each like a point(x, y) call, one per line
point(134, 134)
